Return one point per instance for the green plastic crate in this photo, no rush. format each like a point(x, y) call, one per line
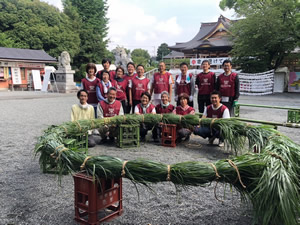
point(294, 116)
point(128, 136)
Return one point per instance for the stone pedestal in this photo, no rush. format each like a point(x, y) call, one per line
point(65, 80)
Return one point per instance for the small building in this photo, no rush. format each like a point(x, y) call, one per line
point(16, 66)
point(211, 41)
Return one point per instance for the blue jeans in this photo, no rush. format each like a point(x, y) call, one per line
point(206, 132)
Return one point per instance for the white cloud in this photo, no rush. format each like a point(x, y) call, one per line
point(170, 26)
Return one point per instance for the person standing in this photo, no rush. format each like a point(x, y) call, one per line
point(229, 86)
point(137, 86)
point(109, 107)
point(161, 81)
point(83, 111)
point(90, 83)
point(129, 76)
point(121, 86)
point(184, 83)
point(103, 85)
point(106, 66)
point(215, 110)
point(206, 84)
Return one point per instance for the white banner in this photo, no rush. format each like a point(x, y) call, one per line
point(36, 76)
point(16, 75)
point(213, 61)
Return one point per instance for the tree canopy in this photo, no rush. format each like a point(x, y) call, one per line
point(140, 56)
point(268, 32)
point(36, 25)
point(162, 51)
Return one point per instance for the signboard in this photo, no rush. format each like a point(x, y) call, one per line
point(46, 80)
point(30, 65)
point(213, 61)
point(294, 82)
point(16, 75)
point(36, 76)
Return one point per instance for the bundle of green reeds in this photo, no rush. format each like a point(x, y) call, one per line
point(270, 179)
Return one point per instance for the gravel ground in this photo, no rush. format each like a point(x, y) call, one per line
point(29, 197)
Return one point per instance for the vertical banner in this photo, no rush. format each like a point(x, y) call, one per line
point(46, 80)
point(36, 76)
point(16, 75)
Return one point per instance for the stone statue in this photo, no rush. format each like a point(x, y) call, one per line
point(121, 57)
point(64, 61)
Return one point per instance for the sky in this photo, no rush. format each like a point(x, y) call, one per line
point(147, 24)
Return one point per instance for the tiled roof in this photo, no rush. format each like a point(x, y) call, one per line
point(25, 54)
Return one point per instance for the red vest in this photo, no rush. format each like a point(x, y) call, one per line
point(183, 87)
point(121, 89)
point(127, 77)
point(227, 84)
point(205, 83)
point(160, 110)
point(148, 110)
point(113, 84)
point(112, 74)
point(138, 87)
point(110, 110)
point(180, 111)
point(91, 89)
point(215, 113)
point(161, 82)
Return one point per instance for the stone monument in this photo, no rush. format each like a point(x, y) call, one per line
point(65, 74)
point(121, 57)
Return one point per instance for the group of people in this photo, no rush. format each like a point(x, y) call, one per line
point(108, 93)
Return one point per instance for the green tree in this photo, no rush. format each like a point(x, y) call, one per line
point(36, 25)
point(266, 35)
point(140, 56)
point(162, 51)
point(90, 22)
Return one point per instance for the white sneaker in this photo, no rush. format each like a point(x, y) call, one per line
point(221, 144)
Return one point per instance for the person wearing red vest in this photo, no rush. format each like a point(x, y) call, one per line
point(129, 76)
point(145, 107)
point(229, 86)
point(89, 83)
point(206, 84)
point(183, 109)
point(103, 85)
point(215, 110)
point(161, 81)
point(137, 86)
point(121, 87)
point(106, 66)
point(110, 107)
point(162, 108)
point(184, 83)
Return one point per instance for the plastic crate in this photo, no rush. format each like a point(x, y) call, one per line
point(293, 116)
point(128, 136)
point(168, 135)
point(97, 201)
point(77, 142)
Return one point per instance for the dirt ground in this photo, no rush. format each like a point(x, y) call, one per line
point(28, 196)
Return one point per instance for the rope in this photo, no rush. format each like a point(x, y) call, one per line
point(237, 171)
point(215, 192)
point(76, 122)
point(59, 154)
point(92, 124)
point(66, 130)
point(53, 154)
point(276, 156)
point(169, 173)
point(84, 162)
point(123, 168)
point(200, 122)
point(216, 171)
point(124, 118)
point(211, 124)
